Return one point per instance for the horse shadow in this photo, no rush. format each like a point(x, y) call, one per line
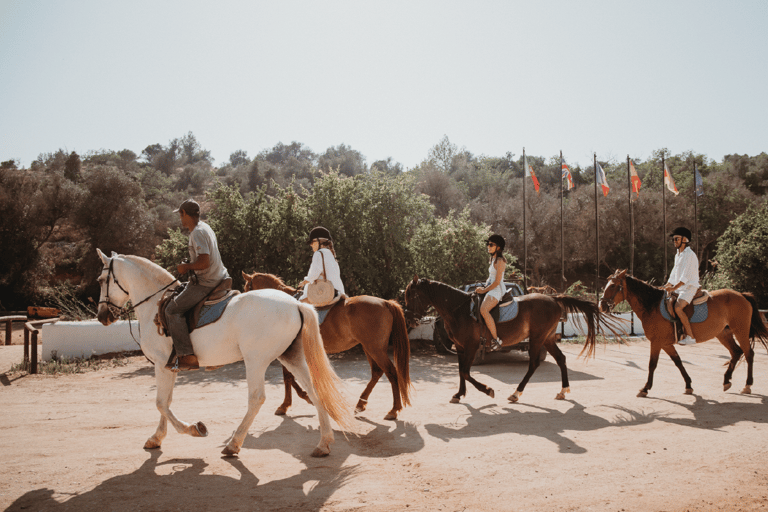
point(708, 414)
point(544, 422)
point(187, 487)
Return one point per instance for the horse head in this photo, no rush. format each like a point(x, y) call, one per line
point(415, 303)
point(112, 295)
point(615, 291)
point(257, 281)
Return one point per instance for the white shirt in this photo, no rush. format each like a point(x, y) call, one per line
point(332, 271)
point(686, 269)
point(202, 240)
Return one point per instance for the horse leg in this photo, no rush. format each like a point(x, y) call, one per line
point(559, 357)
point(381, 360)
point(465, 362)
point(655, 351)
point(254, 371)
point(455, 399)
point(741, 333)
point(165, 380)
point(726, 338)
point(294, 360)
point(290, 382)
point(376, 373)
point(672, 353)
point(750, 357)
point(533, 363)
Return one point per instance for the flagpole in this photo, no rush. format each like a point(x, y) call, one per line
point(695, 207)
point(525, 238)
point(562, 245)
point(664, 212)
point(597, 235)
point(631, 243)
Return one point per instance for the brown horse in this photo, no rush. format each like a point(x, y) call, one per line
point(537, 320)
point(730, 314)
point(363, 320)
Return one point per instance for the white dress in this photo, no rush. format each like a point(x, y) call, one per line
point(498, 292)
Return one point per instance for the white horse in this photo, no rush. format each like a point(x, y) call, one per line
point(257, 327)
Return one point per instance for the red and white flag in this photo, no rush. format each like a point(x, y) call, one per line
point(601, 179)
point(668, 181)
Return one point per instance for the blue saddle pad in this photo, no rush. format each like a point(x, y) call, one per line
point(507, 311)
point(700, 312)
point(211, 313)
point(322, 314)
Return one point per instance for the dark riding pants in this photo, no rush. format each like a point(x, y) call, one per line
point(177, 321)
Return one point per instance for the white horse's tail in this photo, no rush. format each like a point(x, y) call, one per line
point(327, 384)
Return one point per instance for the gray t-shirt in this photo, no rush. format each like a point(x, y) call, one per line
point(202, 240)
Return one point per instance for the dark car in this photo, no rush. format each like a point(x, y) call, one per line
point(443, 343)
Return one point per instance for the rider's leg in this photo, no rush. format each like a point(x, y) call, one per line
point(485, 310)
point(175, 315)
point(679, 309)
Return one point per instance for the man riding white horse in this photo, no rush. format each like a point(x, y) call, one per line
point(684, 279)
point(208, 272)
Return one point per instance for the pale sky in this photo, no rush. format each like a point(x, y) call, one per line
point(388, 79)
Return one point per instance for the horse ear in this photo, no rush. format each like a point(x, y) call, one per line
point(114, 255)
point(247, 277)
point(415, 279)
point(622, 273)
point(102, 256)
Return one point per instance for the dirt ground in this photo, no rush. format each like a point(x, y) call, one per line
point(75, 442)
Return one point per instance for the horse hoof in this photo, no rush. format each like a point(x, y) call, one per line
point(491, 393)
point(281, 411)
point(688, 391)
point(359, 409)
point(726, 387)
point(320, 453)
point(391, 416)
point(455, 400)
point(513, 399)
point(151, 444)
point(229, 451)
point(560, 396)
point(200, 430)
point(642, 394)
point(747, 390)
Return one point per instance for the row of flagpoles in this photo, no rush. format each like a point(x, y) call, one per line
point(634, 184)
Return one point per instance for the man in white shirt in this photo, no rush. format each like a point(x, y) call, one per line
point(684, 279)
point(209, 271)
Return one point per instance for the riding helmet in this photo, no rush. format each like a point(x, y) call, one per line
point(681, 231)
point(319, 232)
point(498, 240)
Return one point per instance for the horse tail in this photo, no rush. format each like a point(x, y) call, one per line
point(596, 321)
point(402, 348)
point(327, 384)
point(757, 329)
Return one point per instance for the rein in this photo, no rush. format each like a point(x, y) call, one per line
point(128, 311)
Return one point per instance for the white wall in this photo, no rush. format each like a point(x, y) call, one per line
point(569, 328)
point(84, 339)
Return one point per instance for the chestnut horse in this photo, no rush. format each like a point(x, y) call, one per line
point(537, 320)
point(730, 313)
point(363, 320)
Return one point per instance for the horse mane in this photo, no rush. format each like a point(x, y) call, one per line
point(276, 281)
point(156, 270)
point(648, 295)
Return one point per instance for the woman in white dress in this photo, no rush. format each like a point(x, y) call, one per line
point(324, 253)
point(494, 288)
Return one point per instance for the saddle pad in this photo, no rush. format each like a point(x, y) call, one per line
point(209, 313)
point(507, 311)
point(700, 312)
point(322, 314)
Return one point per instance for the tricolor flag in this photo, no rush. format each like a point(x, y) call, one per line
point(566, 174)
point(601, 180)
point(668, 181)
point(529, 172)
point(699, 183)
point(634, 178)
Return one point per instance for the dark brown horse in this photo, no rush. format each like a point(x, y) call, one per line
point(730, 314)
point(363, 320)
point(537, 320)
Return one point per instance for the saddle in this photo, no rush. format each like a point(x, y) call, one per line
point(670, 299)
point(477, 299)
point(223, 291)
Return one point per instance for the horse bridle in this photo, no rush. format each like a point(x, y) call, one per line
point(620, 287)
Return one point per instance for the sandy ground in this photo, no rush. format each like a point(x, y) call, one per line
point(75, 442)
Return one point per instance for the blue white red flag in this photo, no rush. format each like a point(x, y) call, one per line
point(699, 182)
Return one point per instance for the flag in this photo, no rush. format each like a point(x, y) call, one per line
point(634, 178)
point(699, 182)
point(601, 180)
point(668, 181)
point(566, 174)
point(529, 172)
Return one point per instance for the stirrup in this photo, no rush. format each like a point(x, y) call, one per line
point(495, 345)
